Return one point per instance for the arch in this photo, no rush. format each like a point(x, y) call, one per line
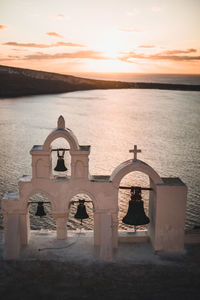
point(81, 191)
point(130, 166)
point(64, 133)
point(38, 191)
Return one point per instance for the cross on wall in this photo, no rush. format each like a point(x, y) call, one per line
point(135, 151)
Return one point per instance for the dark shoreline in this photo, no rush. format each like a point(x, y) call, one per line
point(17, 82)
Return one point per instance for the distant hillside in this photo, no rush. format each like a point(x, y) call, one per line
point(16, 82)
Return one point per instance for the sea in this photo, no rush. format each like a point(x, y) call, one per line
point(163, 124)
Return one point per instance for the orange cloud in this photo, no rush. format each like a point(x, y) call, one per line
point(3, 27)
point(146, 46)
point(34, 45)
point(88, 54)
point(54, 34)
point(60, 16)
point(172, 52)
point(10, 57)
point(173, 55)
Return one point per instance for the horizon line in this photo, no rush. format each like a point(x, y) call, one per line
point(110, 72)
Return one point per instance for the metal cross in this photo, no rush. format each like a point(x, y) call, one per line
point(135, 151)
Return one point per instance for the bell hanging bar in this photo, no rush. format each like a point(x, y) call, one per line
point(72, 202)
point(60, 149)
point(135, 187)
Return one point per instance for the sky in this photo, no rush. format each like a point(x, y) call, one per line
point(82, 36)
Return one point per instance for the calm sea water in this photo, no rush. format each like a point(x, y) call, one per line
point(164, 124)
point(131, 77)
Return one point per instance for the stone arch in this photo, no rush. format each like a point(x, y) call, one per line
point(138, 165)
point(34, 221)
point(64, 133)
point(81, 191)
point(131, 166)
point(34, 191)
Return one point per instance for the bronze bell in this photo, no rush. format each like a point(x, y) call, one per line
point(136, 214)
point(81, 211)
point(60, 167)
point(40, 210)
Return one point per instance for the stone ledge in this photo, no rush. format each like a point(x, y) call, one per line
point(100, 178)
point(172, 181)
point(140, 236)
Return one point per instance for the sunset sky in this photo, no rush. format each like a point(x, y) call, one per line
point(146, 36)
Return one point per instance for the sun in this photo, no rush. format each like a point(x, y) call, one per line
point(110, 44)
point(112, 48)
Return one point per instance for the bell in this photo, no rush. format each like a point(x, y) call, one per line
point(40, 210)
point(136, 214)
point(81, 211)
point(60, 167)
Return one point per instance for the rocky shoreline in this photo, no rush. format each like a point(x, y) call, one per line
point(18, 82)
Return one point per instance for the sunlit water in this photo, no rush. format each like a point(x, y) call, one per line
point(137, 77)
point(164, 124)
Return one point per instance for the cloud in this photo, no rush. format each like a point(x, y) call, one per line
point(35, 45)
point(10, 57)
point(172, 52)
point(60, 16)
point(127, 57)
point(129, 29)
point(3, 27)
point(68, 44)
point(88, 54)
point(146, 46)
point(55, 34)
point(173, 55)
point(13, 56)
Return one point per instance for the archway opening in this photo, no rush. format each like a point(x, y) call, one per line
point(60, 149)
point(75, 224)
point(46, 222)
point(137, 179)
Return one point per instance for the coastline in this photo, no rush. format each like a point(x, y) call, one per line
point(17, 82)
